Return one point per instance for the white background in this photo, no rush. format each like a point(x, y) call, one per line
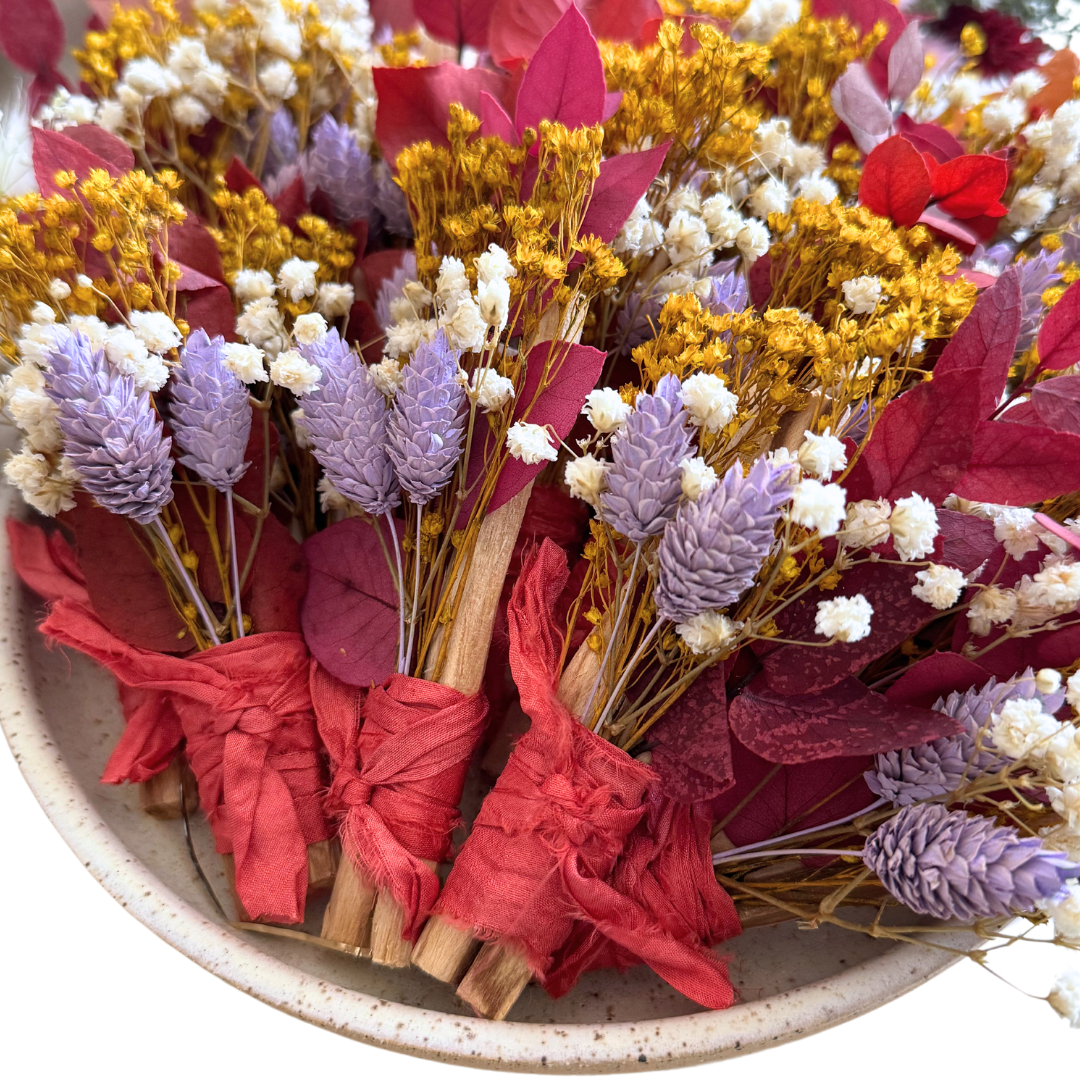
point(86, 991)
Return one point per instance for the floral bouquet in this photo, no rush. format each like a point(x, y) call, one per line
point(664, 418)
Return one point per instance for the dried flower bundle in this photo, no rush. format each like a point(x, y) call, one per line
point(763, 326)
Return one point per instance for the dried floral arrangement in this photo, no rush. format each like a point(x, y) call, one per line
point(663, 417)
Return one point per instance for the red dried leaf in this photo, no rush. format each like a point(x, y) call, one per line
point(1019, 464)
point(518, 26)
point(575, 370)
point(966, 541)
point(1059, 335)
point(350, 612)
point(863, 15)
point(969, 185)
point(292, 204)
point(846, 720)
point(191, 245)
point(125, 589)
point(1055, 403)
point(936, 676)
point(795, 797)
point(107, 147)
point(922, 443)
point(460, 22)
point(495, 120)
point(399, 15)
point(32, 35)
point(238, 177)
point(54, 152)
point(895, 181)
point(929, 138)
point(621, 20)
point(279, 580)
point(207, 305)
point(985, 342)
point(622, 181)
point(414, 103)
point(564, 81)
point(1050, 648)
point(693, 751)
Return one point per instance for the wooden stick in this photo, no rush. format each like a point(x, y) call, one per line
point(160, 795)
point(348, 915)
point(445, 951)
point(322, 864)
point(463, 670)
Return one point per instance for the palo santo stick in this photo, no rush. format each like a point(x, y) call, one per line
point(462, 670)
point(497, 976)
point(348, 915)
point(160, 795)
point(322, 864)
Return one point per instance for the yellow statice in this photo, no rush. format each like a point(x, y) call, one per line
point(702, 101)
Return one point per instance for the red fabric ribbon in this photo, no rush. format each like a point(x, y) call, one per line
point(398, 780)
point(245, 711)
point(549, 834)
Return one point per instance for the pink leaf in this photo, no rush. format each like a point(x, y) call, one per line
point(612, 102)
point(115, 152)
point(1018, 464)
point(985, 342)
point(947, 226)
point(1059, 336)
point(518, 26)
point(1056, 403)
point(847, 720)
point(495, 120)
point(922, 443)
point(54, 152)
point(459, 22)
point(935, 676)
point(906, 67)
point(565, 78)
point(350, 612)
point(857, 103)
point(32, 35)
point(414, 103)
point(622, 181)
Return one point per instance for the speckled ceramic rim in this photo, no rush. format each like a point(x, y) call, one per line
point(683, 1040)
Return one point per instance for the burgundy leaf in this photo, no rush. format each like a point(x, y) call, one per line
point(967, 541)
point(459, 22)
point(518, 26)
point(622, 181)
point(191, 245)
point(846, 720)
point(1056, 403)
point(935, 676)
point(620, 20)
point(922, 443)
point(1019, 464)
point(279, 581)
point(32, 35)
point(565, 78)
point(929, 138)
point(985, 342)
point(55, 152)
point(1059, 335)
point(1048, 648)
point(107, 147)
point(350, 612)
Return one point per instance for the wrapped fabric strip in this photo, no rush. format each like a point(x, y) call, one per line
point(398, 805)
point(551, 831)
point(246, 715)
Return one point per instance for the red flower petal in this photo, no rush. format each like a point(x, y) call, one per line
point(895, 181)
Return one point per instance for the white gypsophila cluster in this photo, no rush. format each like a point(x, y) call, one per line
point(301, 433)
point(1064, 997)
point(127, 352)
point(991, 606)
point(253, 285)
point(867, 523)
point(1072, 691)
point(490, 390)
point(530, 443)
point(697, 477)
point(764, 19)
point(821, 455)
point(1005, 115)
point(819, 506)
point(708, 401)
point(309, 329)
point(31, 408)
point(940, 586)
point(330, 499)
point(844, 618)
point(296, 278)
point(1020, 728)
point(333, 300)
point(1065, 802)
point(913, 524)
point(1048, 680)
point(246, 362)
point(261, 323)
point(586, 478)
point(291, 371)
point(606, 410)
point(862, 294)
point(708, 632)
point(155, 330)
point(1061, 838)
point(47, 486)
point(387, 375)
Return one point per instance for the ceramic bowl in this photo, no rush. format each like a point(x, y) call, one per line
point(61, 717)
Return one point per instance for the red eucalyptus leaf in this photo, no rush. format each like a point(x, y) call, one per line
point(574, 372)
point(399, 15)
point(32, 35)
point(495, 120)
point(1055, 403)
point(1059, 335)
point(108, 147)
point(350, 612)
point(518, 26)
point(906, 65)
point(1049, 648)
point(622, 181)
point(292, 204)
point(207, 305)
point(238, 177)
point(936, 676)
point(414, 103)
point(985, 342)
point(565, 78)
point(929, 138)
point(621, 20)
point(966, 541)
point(126, 591)
point(969, 185)
point(895, 181)
point(922, 443)
point(1018, 464)
point(55, 152)
point(768, 799)
point(846, 720)
point(611, 105)
point(460, 22)
point(279, 581)
point(192, 246)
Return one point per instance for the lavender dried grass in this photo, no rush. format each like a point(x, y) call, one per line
point(336, 166)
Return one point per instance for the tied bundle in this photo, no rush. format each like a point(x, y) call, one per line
point(771, 324)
